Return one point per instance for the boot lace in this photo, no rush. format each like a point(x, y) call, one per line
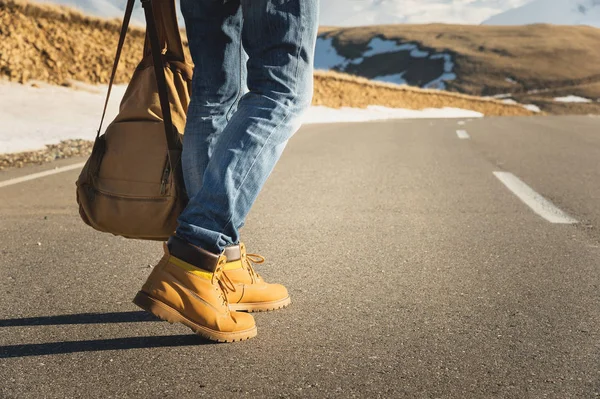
point(224, 282)
point(248, 260)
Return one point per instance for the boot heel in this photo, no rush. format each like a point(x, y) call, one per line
point(164, 312)
point(151, 305)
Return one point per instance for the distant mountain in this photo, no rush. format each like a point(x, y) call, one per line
point(558, 12)
point(379, 12)
point(352, 12)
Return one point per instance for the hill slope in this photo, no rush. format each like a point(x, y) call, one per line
point(57, 44)
point(533, 64)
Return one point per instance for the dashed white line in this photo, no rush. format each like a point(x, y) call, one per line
point(33, 176)
point(462, 134)
point(461, 123)
point(535, 201)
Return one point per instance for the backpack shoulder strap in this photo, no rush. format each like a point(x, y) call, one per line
point(124, 27)
point(161, 82)
point(167, 27)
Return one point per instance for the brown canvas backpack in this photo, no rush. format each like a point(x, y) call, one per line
point(132, 184)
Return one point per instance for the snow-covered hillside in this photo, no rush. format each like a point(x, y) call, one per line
point(353, 12)
point(559, 12)
point(327, 58)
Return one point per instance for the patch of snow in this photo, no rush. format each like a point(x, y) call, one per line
point(440, 83)
point(416, 53)
point(448, 64)
point(378, 45)
point(532, 107)
point(572, 99)
point(327, 57)
point(320, 114)
point(506, 95)
point(33, 117)
point(511, 81)
point(536, 91)
point(395, 78)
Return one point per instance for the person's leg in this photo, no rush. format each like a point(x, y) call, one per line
point(214, 29)
point(279, 38)
point(188, 285)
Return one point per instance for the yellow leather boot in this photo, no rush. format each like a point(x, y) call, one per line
point(188, 286)
point(251, 293)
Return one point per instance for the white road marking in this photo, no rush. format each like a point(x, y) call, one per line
point(461, 123)
point(41, 174)
point(462, 134)
point(535, 201)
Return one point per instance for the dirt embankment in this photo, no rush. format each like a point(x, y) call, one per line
point(58, 45)
point(341, 90)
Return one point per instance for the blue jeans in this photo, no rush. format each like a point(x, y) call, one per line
point(252, 82)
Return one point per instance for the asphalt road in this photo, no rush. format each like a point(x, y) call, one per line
point(414, 273)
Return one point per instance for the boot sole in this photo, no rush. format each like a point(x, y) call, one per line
point(167, 313)
point(260, 306)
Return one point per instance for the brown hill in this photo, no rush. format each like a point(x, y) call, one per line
point(58, 45)
point(534, 63)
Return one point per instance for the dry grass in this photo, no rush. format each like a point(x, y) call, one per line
point(340, 90)
point(56, 44)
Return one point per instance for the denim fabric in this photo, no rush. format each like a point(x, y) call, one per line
point(252, 82)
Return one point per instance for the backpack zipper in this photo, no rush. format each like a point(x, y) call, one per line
point(165, 180)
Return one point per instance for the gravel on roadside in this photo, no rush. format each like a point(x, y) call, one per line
point(62, 150)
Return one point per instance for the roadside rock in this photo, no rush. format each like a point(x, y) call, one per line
point(65, 149)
